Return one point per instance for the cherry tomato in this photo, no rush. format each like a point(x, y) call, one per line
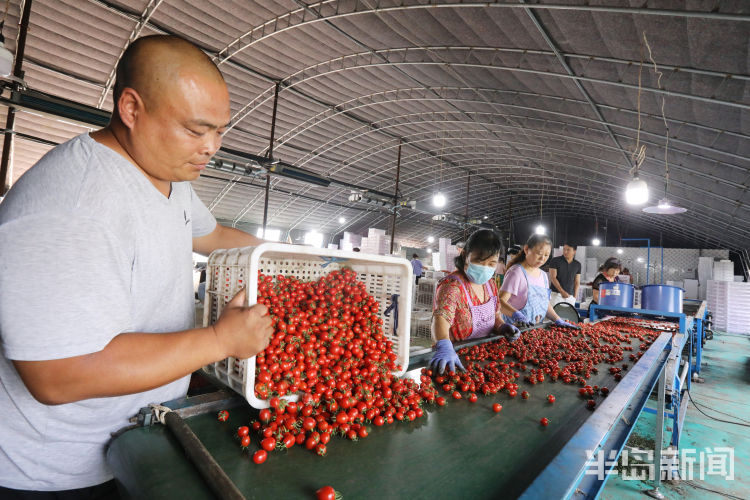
point(440, 401)
point(243, 431)
point(544, 422)
point(550, 398)
point(260, 456)
point(326, 493)
point(472, 398)
point(268, 444)
point(311, 442)
point(497, 407)
point(308, 424)
point(245, 441)
point(223, 416)
point(289, 440)
point(342, 417)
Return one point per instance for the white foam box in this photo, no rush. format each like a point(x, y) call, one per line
point(354, 239)
point(230, 270)
point(691, 288)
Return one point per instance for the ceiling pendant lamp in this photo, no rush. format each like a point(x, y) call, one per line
point(637, 192)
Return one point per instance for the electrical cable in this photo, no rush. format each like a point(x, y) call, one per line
point(639, 153)
point(696, 485)
point(723, 413)
point(663, 116)
point(697, 406)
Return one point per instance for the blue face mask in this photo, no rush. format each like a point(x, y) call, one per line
point(479, 274)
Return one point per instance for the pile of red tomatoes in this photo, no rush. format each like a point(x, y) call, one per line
point(555, 353)
point(328, 347)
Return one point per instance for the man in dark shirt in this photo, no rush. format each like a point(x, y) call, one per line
point(564, 276)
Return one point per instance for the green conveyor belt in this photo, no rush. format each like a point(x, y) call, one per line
point(462, 450)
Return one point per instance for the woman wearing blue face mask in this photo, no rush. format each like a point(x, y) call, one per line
point(466, 302)
point(524, 296)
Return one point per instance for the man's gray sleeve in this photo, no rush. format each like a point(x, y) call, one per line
point(65, 284)
point(203, 221)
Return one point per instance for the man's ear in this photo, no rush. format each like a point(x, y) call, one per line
point(128, 106)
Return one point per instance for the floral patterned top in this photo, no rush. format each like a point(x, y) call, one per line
point(450, 303)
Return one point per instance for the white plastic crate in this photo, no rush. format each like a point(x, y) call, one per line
point(421, 321)
point(229, 270)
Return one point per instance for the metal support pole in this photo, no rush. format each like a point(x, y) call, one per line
point(554, 231)
point(466, 209)
point(11, 118)
point(662, 265)
point(659, 436)
point(270, 155)
point(510, 221)
point(395, 198)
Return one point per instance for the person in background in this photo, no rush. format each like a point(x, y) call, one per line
point(625, 276)
point(466, 301)
point(512, 252)
point(565, 276)
point(499, 273)
point(416, 266)
point(608, 273)
point(524, 296)
point(83, 353)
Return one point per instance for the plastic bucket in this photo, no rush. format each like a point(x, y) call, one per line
point(616, 294)
point(662, 298)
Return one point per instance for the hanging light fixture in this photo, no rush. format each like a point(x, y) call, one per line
point(438, 200)
point(342, 220)
point(540, 229)
point(636, 192)
point(664, 207)
point(595, 240)
point(619, 251)
point(430, 239)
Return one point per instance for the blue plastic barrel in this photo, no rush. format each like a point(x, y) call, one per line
point(616, 294)
point(662, 298)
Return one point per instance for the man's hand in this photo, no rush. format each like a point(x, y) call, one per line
point(242, 331)
point(564, 294)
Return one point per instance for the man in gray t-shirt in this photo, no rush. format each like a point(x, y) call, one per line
point(96, 241)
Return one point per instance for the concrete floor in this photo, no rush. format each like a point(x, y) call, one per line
point(726, 370)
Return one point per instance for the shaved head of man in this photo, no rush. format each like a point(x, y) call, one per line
point(171, 107)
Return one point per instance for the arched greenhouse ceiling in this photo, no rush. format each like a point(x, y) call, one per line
point(536, 101)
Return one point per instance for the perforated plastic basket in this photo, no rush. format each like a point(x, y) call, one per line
point(229, 270)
